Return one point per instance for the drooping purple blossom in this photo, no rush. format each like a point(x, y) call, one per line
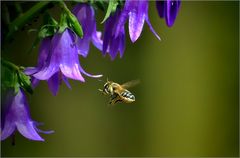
point(86, 17)
point(137, 14)
point(43, 59)
point(113, 43)
point(168, 10)
point(15, 116)
point(58, 60)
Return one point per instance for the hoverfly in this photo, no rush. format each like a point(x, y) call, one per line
point(119, 93)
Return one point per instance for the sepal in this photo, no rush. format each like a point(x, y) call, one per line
point(112, 6)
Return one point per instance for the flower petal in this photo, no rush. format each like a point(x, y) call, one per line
point(114, 47)
point(66, 52)
point(151, 28)
point(66, 81)
point(7, 118)
point(160, 8)
point(8, 129)
point(83, 46)
point(171, 11)
point(34, 82)
point(122, 20)
point(71, 70)
point(45, 132)
point(112, 43)
point(20, 113)
point(136, 18)
point(31, 70)
point(85, 15)
point(96, 39)
point(16, 116)
point(122, 44)
point(27, 129)
point(53, 83)
point(44, 51)
point(90, 75)
point(46, 72)
point(41, 131)
point(107, 33)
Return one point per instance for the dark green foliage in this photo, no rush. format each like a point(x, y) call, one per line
point(12, 77)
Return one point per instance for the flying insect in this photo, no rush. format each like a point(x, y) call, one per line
point(119, 92)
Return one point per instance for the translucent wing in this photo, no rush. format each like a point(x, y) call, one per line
point(130, 84)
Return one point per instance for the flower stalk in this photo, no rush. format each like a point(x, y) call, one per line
point(10, 65)
point(19, 22)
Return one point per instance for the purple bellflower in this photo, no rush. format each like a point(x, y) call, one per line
point(86, 17)
point(15, 115)
point(168, 10)
point(137, 13)
point(113, 43)
point(58, 60)
point(43, 59)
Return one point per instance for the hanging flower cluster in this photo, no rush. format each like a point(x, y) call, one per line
point(64, 42)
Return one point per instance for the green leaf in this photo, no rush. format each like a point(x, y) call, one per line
point(50, 27)
point(72, 21)
point(9, 79)
point(25, 82)
point(12, 76)
point(46, 31)
point(112, 6)
point(75, 25)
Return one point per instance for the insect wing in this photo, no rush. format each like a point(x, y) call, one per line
point(130, 84)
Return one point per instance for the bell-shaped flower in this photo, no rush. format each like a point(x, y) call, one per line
point(168, 10)
point(113, 43)
point(43, 58)
point(15, 116)
point(137, 13)
point(86, 17)
point(58, 60)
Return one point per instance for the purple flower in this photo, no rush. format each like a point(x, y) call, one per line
point(137, 12)
point(168, 10)
point(15, 115)
point(86, 17)
point(113, 43)
point(58, 60)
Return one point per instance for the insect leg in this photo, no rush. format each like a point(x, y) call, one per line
point(113, 98)
point(102, 91)
point(119, 100)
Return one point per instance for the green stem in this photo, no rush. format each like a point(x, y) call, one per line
point(9, 65)
point(20, 21)
point(65, 8)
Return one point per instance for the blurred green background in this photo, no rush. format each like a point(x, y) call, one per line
point(186, 104)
